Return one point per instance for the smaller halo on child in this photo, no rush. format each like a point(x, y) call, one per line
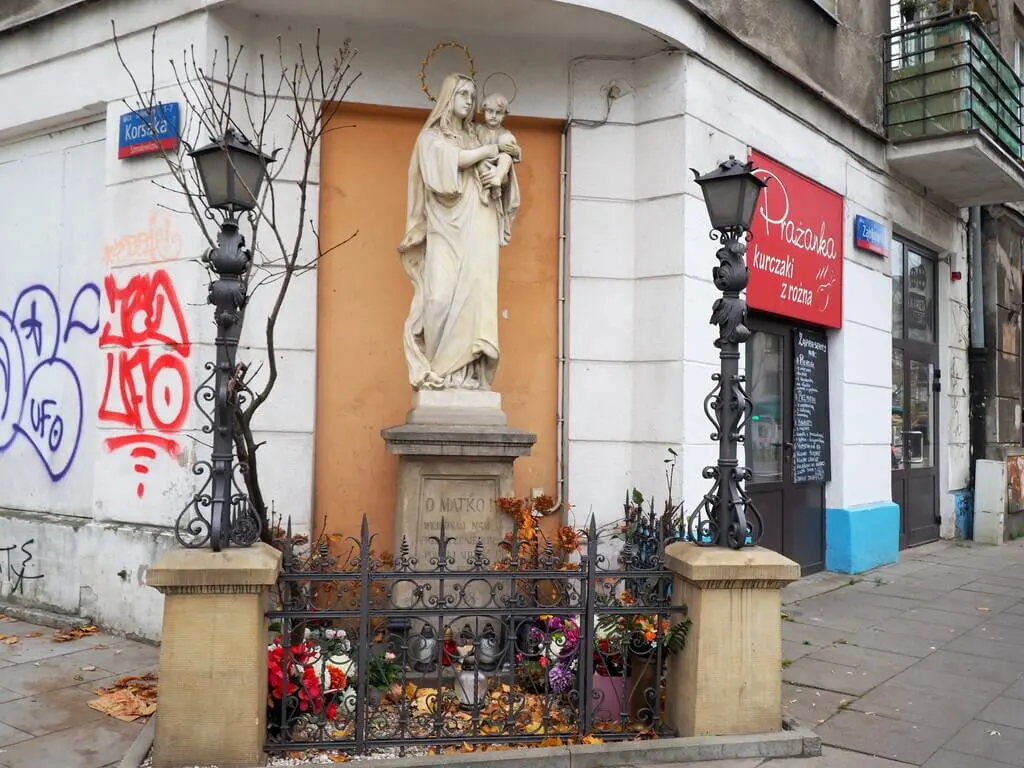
point(485, 93)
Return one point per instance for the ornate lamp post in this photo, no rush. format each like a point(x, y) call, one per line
point(231, 172)
point(726, 516)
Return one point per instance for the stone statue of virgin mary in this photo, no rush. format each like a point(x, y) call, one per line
point(450, 250)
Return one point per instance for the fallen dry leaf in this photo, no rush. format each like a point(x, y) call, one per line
point(34, 634)
point(425, 702)
point(68, 634)
point(129, 698)
point(340, 758)
point(12, 640)
point(3, 617)
point(551, 741)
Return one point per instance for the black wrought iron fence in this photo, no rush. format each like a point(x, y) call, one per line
point(549, 639)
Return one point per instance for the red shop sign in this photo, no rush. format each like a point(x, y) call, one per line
point(795, 252)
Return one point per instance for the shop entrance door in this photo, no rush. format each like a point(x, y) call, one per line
point(793, 514)
point(914, 402)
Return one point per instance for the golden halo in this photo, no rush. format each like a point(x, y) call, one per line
point(515, 88)
point(426, 63)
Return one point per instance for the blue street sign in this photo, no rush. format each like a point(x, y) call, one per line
point(143, 131)
point(870, 235)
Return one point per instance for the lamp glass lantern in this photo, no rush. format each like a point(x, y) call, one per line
point(731, 192)
point(232, 171)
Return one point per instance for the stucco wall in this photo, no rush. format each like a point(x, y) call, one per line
point(16, 12)
point(639, 344)
point(840, 56)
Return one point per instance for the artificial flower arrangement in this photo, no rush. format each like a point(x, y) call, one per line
point(320, 679)
point(549, 657)
point(621, 638)
point(526, 544)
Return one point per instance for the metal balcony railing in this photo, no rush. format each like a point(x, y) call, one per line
point(946, 77)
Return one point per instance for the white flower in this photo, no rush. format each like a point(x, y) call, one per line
point(389, 656)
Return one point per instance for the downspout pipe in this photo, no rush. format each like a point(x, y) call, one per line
point(977, 359)
point(977, 308)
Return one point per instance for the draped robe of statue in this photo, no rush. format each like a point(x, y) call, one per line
point(450, 253)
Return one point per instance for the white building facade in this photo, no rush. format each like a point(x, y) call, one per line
point(105, 330)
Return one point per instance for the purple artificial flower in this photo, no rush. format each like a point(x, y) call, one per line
point(560, 678)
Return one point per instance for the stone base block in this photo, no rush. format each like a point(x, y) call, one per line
point(213, 656)
point(454, 474)
point(728, 679)
point(861, 538)
point(457, 406)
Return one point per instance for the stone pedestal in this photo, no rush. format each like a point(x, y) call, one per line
point(213, 655)
point(455, 456)
point(728, 679)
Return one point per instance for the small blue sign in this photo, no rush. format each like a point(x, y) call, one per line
point(870, 235)
point(145, 131)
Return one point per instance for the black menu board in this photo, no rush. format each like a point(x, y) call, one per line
point(812, 450)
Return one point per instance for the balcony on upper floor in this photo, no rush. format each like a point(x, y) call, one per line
point(953, 112)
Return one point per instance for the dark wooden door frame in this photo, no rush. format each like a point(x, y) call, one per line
point(927, 353)
point(785, 487)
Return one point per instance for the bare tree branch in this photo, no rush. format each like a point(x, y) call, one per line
point(311, 91)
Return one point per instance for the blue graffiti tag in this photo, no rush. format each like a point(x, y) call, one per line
point(40, 392)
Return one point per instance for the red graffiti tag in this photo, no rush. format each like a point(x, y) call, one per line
point(147, 381)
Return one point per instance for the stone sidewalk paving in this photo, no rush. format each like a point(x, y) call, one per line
point(918, 663)
point(45, 721)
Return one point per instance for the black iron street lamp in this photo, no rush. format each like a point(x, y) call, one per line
point(726, 516)
point(231, 171)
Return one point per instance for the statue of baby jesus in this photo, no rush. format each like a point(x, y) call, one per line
point(494, 108)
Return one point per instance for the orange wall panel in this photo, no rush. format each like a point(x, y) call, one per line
point(363, 299)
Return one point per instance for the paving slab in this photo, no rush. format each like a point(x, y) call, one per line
point(92, 745)
point(966, 600)
point(885, 638)
point(1004, 711)
point(933, 679)
point(1006, 619)
point(38, 677)
point(831, 758)
point(819, 636)
point(51, 711)
point(998, 633)
point(827, 676)
point(938, 683)
point(945, 618)
point(991, 586)
point(952, 708)
point(9, 735)
point(1015, 691)
point(793, 651)
point(967, 665)
point(810, 706)
point(45, 687)
point(989, 649)
point(864, 658)
point(946, 759)
point(993, 742)
point(883, 736)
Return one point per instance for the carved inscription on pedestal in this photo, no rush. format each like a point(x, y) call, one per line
point(467, 506)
